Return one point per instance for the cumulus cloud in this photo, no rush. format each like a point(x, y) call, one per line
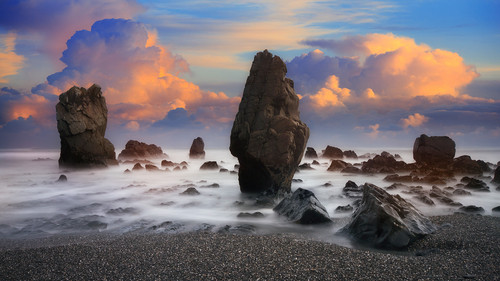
point(328, 97)
point(15, 104)
point(10, 62)
point(138, 77)
point(415, 120)
point(54, 21)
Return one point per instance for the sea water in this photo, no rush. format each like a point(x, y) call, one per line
point(33, 203)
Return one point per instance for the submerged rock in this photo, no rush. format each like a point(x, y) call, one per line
point(209, 165)
point(139, 150)
point(62, 178)
point(197, 150)
point(386, 221)
point(433, 151)
point(471, 209)
point(81, 121)
point(268, 137)
point(352, 190)
point(344, 209)
point(303, 207)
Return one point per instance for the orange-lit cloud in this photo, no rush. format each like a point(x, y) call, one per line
point(331, 95)
point(10, 62)
point(415, 120)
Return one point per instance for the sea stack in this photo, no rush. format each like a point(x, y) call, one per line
point(197, 150)
point(268, 137)
point(81, 122)
point(433, 151)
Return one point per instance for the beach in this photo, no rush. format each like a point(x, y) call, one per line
point(464, 247)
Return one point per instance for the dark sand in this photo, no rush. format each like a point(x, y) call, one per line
point(465, 247)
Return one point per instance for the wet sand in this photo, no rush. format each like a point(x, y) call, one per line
point(465, 247)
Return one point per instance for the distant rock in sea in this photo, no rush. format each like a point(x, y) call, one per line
point(197, 150)
point(81, 121)
point(268, 137)
point(433, 151)
point(496, 178)
point(311, 153)
point(333, 152)
point(139, 150)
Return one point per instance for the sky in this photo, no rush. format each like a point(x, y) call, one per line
point(368, 73)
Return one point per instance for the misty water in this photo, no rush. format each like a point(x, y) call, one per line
point(34, 204)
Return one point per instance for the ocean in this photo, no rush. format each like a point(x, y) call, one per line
point(34, 204)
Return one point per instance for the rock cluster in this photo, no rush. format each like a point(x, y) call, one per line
point(139, 150)
point(386, 221)
point(197, 150)
point(268, 137)
point(81, 121)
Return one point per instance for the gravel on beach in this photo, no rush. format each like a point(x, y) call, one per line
point(464, 247)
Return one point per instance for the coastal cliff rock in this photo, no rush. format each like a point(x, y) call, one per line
point(268, 137)
point(139, 150)
point(303, 207)
point(434, 150)
point(197, 150)
point(81, 121)
point(386, 221)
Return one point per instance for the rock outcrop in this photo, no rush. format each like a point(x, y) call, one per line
point(303, 207)
point(433, 151)
point(268, 137)
point(81, 121)
point(386, 221)
point(139, 150)
point(197, 150)
point(333, 152)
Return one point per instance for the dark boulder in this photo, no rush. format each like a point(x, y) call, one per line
point(81, 121)
point(209, 165)
point(425, 199)
point(385, 163)
point(303, 207)
point(166, 163)
point(305, 166)
point(496, 209)
point(311, 153)
point(352, 190)
point(152, 168)
point(465, 165)
point(137, 167)
point(338, 165)
point(139, 150)
point(250, 215)
point(197, 150)
point(471, 209)
point(314, 162)
point(496, 178)
point(268, 137)
point(333, 152)
point(350, 154)
point(460, 192)
point(344, 209)
point(351, 170)
point(433, 151)
point(190, 191)
point(386, 221)
point(475, 184)
point(62, 178)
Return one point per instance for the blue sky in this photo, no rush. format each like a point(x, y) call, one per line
point(383, 73)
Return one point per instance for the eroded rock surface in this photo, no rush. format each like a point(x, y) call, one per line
point(268, 137)
point(81, 121)
point(386, 221)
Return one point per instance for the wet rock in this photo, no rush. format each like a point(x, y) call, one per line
point(350, 154)
point(496, 178)
point(465, 165)
point(152, 168)
point(268, 137)
point(433, 151)
point(311, 153)
point(197, 150)
point(303, 207)
point(344, 209)
point(81, 121)
point(306, 166)
point(496, 209)
point(337, 165)
point(386, 221)
point(62, 178)
point(352, 190)
point(238, 229)
point(327, 184)
point(471, 209)
point(139, 150)
point(461, 192)
point(166, 163)
point(475, 184)
point(250, 215)
point(137, 167)
point(190, 191)
point(333, 152)
point(209, 165)
point(424, 199)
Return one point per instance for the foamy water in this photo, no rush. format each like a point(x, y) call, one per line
point(32, 203)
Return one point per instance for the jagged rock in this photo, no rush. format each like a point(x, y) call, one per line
point(333, 152)
point(352, 190)
point(337, 165)
point(350, 154)
point(305, 166)
point(303, 207)
point(433, 151)
point(197, 150)
point(139, 150)
point(62, 178)
point(386, 221)
point(344, 209)
point(137, 167)
point(190, 191)
point(475, 184)
point(268, 137)
point(471, 209)
point(311, 153)
point(153, 168)
point(209, 165)
point(423, 198)
point(81, 121)
point(496, 178)
point(465, 165)
point(385, 163)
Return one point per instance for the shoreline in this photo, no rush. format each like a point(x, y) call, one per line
point(464, 247)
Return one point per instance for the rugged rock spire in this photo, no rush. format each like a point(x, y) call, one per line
point(81, 122)
point(267, 135)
